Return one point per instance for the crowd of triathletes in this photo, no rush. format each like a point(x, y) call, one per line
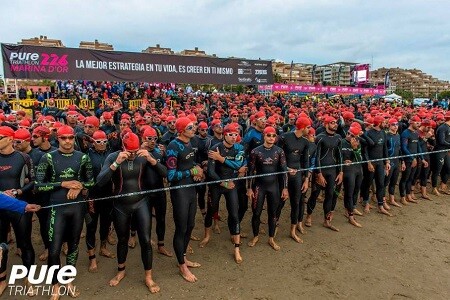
point(292, 149)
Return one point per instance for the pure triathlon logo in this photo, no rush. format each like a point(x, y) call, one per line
point(38, 62)
point(40, 283)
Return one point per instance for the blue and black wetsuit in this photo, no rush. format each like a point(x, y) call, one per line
point(394, 150)
point(65, 222)
point(353, 175)
point(180, 159)
point(411, 147)
point(227, 171)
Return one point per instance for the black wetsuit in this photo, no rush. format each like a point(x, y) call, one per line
point(98, 209)
point(376, 149)
point(154, 179)
point(201, 156)
point(423, 173)
point(263, 161)
point(17, 172)
point(394, 149)
point(410, 146)
point(297, 157)
point(65, 222)
point(441, 160)
point(180, 159)
point(129, 178)
point(353, 175)
point(328, 153)
point(234, 160)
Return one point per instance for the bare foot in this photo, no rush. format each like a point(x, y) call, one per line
point(327, 224)
point(253, 242)
point(162, 250)
point(393, 203)
point(403, 201)
point(111, 239)
point(243, 235)
point(295, 237)
point(55, 292)
point(152, 286)
point(435, 192)
point(93, 266)
point(411, 199)
point(367, 208)
point(44, 255)
point(132, 242)
point(300, 228)
point(386, 206)
point(237, 255)
point(116, 280)
point(106, 253)
point(308, 220)
point(194, 238)
point(72, 291)
point(425, 196)
point(191, 264)
point(189, 249)
point(204, 242)
point(216, 227)
point(273, 244)
point(187, 274)
point(383, 211)
point(352, 221)
point(357, 212)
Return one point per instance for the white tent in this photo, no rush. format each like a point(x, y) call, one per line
point(393, 96)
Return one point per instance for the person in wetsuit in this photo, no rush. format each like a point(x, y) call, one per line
point(295, 147)
point(328, 174)
point(397, 164)
point(410, 146)
point(66, 174)
point(225, 159)
point(441, 160)
point(17, 179)
point(376, 150)
point(182, 170)
point(154, 179)
point(265, 159)
point(98, 210)
point(126, 169)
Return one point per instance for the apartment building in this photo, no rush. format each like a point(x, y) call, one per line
point(96, 45)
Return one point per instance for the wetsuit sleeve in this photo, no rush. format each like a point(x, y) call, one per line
point(43, 171)
point(28, 174)
point(339, 155)
point(11, 204)
point(160, 169)
point(212, 170)
point(318, 154)
point(238, 161)
point(283, 168)
point(404, 142)
point(106, 172)
point(420, 151)
point(305, 159)
point(173, 174)
point(251, 168)
point(440, 137)
point(86, 176)
point(385, 148)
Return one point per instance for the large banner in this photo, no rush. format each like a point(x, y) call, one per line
point(37, 62)
point(360, 74)
point(291, 88)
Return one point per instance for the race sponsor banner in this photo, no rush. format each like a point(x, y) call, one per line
point(38, 62)
point(293, 88)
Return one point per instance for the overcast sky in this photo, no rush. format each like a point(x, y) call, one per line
point(394, 33)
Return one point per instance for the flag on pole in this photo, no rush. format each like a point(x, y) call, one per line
point(387, 80)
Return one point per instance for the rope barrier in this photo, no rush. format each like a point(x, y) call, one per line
point(164, 189)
